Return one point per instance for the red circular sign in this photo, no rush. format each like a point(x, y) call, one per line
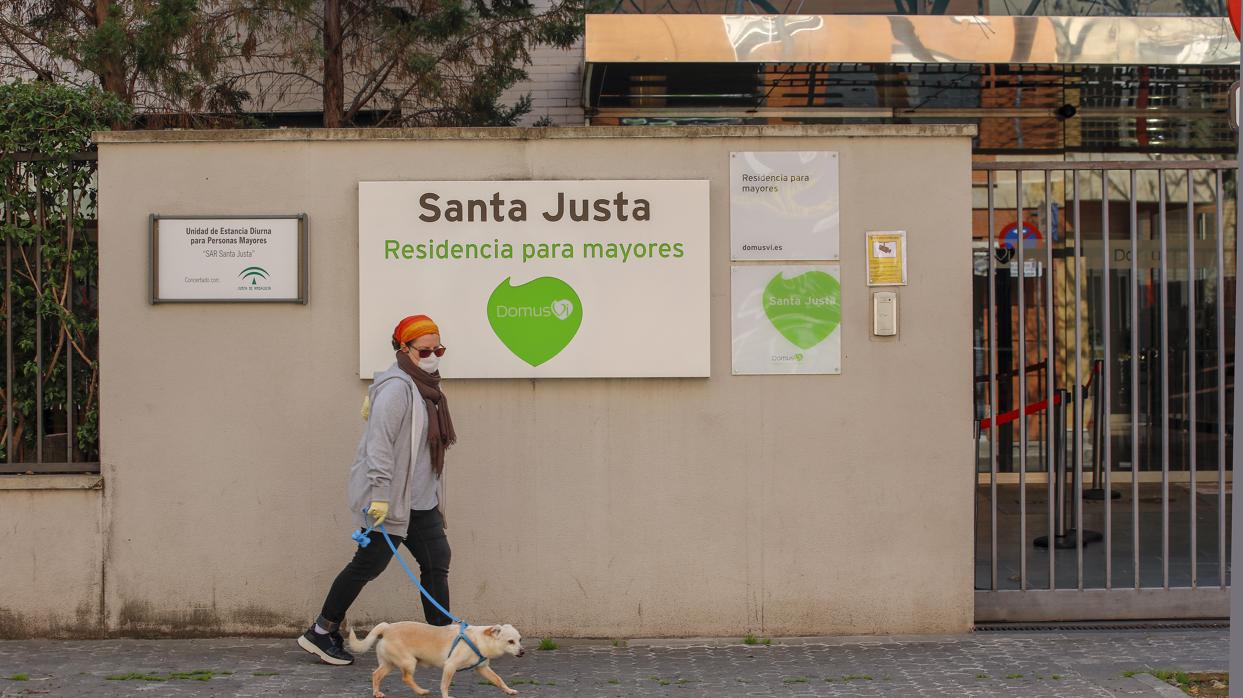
point(1009, 236)
point(1233, 7)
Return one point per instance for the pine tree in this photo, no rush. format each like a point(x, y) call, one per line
point(418, 62)
point(162, 56)
point(364, 62)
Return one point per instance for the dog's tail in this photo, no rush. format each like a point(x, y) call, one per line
point(365, 644)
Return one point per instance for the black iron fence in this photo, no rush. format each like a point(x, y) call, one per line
point(50, 314)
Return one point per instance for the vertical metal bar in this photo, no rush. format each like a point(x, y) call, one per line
point(1193, 430)
point(1078, 442)
point(1059, 460)
point(1049, 380)
point(1221, 380)
point(1106, 411)
point(10, 448)
point(1164, 294)
point(1020, 243)
point(38, 237)
point(66, 328)
point(1134, 377)
point(1098, 444)
point(992, 388)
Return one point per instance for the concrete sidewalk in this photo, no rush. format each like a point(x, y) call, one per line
point(1061, 663)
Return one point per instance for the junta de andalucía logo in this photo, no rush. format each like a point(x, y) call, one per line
point(256, 276)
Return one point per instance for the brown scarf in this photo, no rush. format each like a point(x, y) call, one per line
point(440, 434)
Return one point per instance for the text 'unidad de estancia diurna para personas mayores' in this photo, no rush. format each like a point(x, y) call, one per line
point(228, 235)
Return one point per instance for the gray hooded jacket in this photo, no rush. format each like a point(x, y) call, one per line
point(384, 469)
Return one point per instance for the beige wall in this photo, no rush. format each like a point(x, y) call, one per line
point(51, 558)
point(779, 505)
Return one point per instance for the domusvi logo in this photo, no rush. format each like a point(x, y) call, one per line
point(536, 320)
point(257, 278)
point(805, 309)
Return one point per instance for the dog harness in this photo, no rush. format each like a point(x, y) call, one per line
point(461, 637)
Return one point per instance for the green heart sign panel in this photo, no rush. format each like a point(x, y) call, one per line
point(805, 309)
point(537, 319)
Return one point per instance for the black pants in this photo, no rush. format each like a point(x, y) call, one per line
point(425, 539)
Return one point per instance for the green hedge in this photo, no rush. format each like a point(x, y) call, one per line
point(47, 211)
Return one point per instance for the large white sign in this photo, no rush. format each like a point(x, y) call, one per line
point(228, 259)
point(787, 319)
point(784, 205)
point(533, 279)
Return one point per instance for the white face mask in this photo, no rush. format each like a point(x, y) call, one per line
point(430, 364)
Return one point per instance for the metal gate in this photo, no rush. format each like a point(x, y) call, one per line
point(1104, 369)
point(50, 311)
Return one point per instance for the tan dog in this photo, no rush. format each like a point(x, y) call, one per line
point(402, 646)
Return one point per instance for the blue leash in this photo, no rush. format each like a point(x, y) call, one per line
point(363, 541)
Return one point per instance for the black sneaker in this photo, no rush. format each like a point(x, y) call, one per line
point(329, 648)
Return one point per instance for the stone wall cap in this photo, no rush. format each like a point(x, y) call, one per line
point(531, 133)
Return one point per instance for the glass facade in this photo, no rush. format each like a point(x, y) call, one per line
point(1019, 108)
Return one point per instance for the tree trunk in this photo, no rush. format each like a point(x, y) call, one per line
point(334, 66)
point(111, 70)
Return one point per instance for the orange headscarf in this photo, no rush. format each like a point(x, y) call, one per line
point(413, 327)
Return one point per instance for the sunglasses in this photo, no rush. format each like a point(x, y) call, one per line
point(424, 353)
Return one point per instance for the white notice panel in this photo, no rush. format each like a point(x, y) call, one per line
point(228, 259)
point(531, 279)
point(784, 205)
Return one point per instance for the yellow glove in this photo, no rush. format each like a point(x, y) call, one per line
point(378, 511)
point(366, 410)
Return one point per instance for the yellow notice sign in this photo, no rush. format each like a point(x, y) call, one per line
point(887, 258)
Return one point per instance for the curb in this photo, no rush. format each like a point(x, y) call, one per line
point(829, 640)
point(1158, 686)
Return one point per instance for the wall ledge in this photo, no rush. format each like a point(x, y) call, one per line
point(353, 135)
point(51, 482)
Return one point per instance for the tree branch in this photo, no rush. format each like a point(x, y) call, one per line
point(373, 86)
point(359, 9)
point(276, 73)
point(32, 38)
point(38, 70)
point(87, 12)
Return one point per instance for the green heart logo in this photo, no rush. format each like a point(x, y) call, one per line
point(537, 319)
point(805, 309)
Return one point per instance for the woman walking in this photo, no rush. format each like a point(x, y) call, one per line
point(396, 477)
